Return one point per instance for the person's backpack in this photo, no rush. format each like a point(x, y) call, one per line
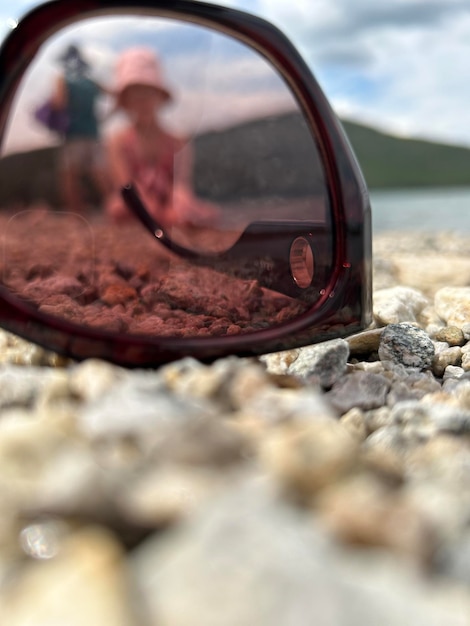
point(56, 120)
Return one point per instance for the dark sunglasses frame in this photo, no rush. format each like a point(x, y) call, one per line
point(345, 305)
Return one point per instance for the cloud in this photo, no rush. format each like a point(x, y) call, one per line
point(400, 65)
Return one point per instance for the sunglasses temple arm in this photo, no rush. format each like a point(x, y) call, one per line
point(257, 255)
point(135, 204)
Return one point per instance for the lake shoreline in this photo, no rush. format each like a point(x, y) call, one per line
point(430, 209)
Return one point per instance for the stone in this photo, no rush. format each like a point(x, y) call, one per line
point(449, 384)
point(427, 419)
point(282, 571)
point(453, 560)
point(385, 465)
point(430, 271)
point(20, 386)
point(247, 382)
point(413, 384)
point(452, 335)
point(354, 421)
point(164, 495)
point(398, 304)
point(445, 357)
point(461, 392)
point(84, 582)
point(26, 447)
point(273, 405)
point(18, 351)
point(93, 378)
point(324, 361)
point(441, 466)
point(377, 418)
point(279, 362)
point(306, 457)
point(365, 510)
point(247, 533)
point(424, 381)
point(229, 382)
point(138, 406)
point(391, 439)
point(465, 351)
point(453, 305)
point(366, 342)
point(401, 390)
point(440, 346)
point(448, 419)
point(359, 389)
point(453, 371)
point(406, 345)
point(201, 441)
point(373, 367)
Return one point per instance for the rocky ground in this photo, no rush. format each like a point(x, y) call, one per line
point(326, 486)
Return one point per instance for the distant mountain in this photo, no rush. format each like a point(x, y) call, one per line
point(389, 161)
point(279, 152)
point(273, 156)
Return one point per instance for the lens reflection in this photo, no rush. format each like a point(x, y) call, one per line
point(215, 143)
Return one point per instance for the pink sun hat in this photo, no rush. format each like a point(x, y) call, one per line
point(139, 66)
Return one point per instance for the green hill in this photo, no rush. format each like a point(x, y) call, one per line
point(279, 150)
point(389, 161)
point(276, 151)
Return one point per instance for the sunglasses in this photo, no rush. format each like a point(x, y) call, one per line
point(173, 182)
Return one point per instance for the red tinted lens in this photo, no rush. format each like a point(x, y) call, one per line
point(222, 155)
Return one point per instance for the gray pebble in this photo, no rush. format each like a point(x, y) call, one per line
point(401, 391)
point(398, 304)
point(445, 357)
point(407, 345)
point(454, 560)
point(245, 560)
point(138, 406)
point(466, 331)
point(325, 361)
point(359, 389)
point(21, 386)
point(453, 371)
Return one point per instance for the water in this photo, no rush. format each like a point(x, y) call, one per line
point(440, 209)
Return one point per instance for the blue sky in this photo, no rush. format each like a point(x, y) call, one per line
point(400, 65)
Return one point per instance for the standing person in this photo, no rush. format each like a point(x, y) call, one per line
point(145, 153)
point(82, 153)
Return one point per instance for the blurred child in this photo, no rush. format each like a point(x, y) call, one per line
point(145, 153)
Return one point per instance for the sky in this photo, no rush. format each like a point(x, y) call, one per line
point(215, 81)
point(402, 66)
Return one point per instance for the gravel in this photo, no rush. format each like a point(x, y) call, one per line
point(327, 485)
